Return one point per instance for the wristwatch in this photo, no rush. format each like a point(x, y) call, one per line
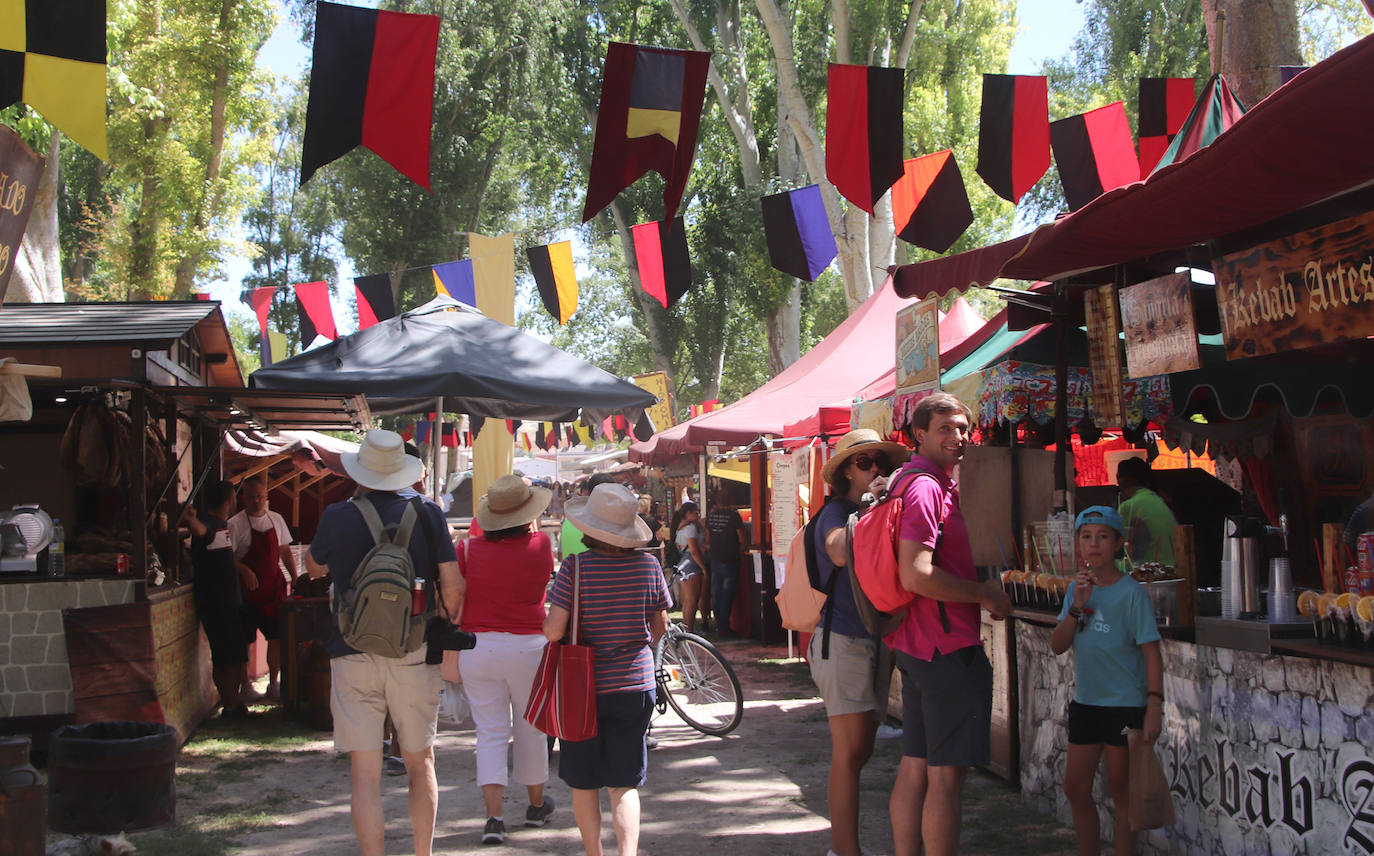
point(1074, 612)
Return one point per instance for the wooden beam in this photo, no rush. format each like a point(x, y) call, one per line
point(30, 370)
point(314, 479)
point(275, 482)
point(1185, 564)
point(260, 467)
point(296, 501)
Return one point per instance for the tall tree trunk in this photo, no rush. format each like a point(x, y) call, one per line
point(1257, 38)
point(38, 266)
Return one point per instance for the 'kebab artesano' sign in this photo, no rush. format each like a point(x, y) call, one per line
point(20, 169)
point(1300, 291)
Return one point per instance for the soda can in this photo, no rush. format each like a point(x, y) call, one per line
point(1364, 551)
point(1366, 583)
point(1350, 580)
point(121, 563)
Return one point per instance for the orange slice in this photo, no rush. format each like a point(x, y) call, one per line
point(1326, 603)
point(1307, 604)
point(1364, 608)
point(1344, 601)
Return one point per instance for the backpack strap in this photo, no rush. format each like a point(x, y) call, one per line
point(408, 518)
point(939, 534)
point(370, 517)
point(813, 574)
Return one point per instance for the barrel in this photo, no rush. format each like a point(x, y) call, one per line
point(316, 685)
point(110, 776)
point(22, 801)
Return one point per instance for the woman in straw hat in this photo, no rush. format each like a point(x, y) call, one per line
point(843, 654)
point(507, 569)
point(623, 608)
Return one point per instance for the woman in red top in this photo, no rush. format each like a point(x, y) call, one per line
point(507, 569)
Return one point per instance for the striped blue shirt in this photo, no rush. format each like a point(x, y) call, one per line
point(618, 594)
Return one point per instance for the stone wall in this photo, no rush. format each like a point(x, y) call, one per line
point(1264, 754)
point(34, 676)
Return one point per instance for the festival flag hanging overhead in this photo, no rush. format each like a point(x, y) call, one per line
point(276, 348)
point(665, 269)
point(375, 300)
point(1094, 153)
point(1013, 133)
point(261, 301)
point(52, 57)
point(651, 101)
point(316, 316)
point(371, 85)
point(930, 204)
point(552, 266)
point(863, 131)
point(456, 280)
point(1215, 111)
point(800, 241)
point(1288, 72)
point(493, 268)
point(1164, 105)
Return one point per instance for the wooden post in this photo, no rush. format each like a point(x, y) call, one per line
point(296, 504)
point(138, 483)
point(1333, 556)
point(1185, 563)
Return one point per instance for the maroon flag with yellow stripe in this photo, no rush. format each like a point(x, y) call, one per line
point(552, 266)
point(52, 57)
point(651, 100)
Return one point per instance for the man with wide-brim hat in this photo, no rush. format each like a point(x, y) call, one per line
point(366, 688)
point(623, 609)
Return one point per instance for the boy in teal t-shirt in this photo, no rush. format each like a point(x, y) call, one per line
point(1118, 674)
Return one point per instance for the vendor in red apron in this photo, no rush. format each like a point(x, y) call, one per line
point(261, 540)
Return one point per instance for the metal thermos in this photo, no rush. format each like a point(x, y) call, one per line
point(1240, 593)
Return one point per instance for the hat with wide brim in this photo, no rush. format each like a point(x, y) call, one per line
point(509, 502)
point(381, 462)
point(863, 440)
point(609, 515)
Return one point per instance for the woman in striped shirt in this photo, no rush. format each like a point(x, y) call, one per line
point(623, 608)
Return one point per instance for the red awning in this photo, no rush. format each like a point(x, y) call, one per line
point(1308, 141)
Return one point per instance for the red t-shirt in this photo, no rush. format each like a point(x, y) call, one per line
point(506, 581)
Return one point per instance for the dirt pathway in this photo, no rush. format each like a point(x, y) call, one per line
point(274, 788)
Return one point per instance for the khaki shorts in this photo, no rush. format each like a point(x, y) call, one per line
point(845, 680)
point(366, 687)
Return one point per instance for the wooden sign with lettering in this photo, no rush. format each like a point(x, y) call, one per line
point(1104, 354)
point(918, 347)
point(20, 169)
point(1307, 289)
point(1157, 317)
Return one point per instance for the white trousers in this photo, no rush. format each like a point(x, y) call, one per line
point(497, 675)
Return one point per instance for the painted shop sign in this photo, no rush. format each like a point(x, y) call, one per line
point(1157, 318)
point(20, 169)
point(918, 347)
point(1306, 289)
point(1104, 354)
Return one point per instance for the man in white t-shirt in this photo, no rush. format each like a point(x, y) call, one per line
point(261, 538)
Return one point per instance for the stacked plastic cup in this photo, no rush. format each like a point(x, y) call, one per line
point(1281, 607)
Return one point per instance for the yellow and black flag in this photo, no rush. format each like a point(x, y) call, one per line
point(552, 266)
point(52, 57)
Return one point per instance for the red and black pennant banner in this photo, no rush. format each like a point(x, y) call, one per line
point(863, 131)
point(316, 315)
point(1164, 106)
point(665, 270)
point(651, 100)
point(930, 206)
point(1013, 133)
point(371, 84)
point(1094, 153)
point(375, 300)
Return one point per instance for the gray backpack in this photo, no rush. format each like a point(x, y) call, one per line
point(374, 610)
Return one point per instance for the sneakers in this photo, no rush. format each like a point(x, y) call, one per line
point(495, 830)
point(236, 713)
point(250, 693)
point(393, 766)
point(538, 815)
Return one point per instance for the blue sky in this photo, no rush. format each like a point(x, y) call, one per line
point(1046, 29)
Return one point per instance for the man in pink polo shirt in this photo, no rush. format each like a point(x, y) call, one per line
point(946, 677)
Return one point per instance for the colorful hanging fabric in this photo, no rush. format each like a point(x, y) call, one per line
point(1163, 107)
point(1013, 133)
point(52, 58)
point(651, 100)
point(1216, 110)
point(1094, 153)
point(493, 270)
point(456, 280)
point(371, 85)
point(1015, 391)
point(260, 299)
point(316, 315)
point(930, 204)
point(552, 266)
point(795, 225)
point(276, 347)
point(863, 131)
point(375, 300)
point(665, 269)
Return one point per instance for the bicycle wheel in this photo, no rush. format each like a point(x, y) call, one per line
point(699, 683)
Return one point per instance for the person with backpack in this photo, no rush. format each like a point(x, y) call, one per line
point(843, 653)
point(374, 547)
point(946, 676)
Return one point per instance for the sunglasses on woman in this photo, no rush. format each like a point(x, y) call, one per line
point(868, 462)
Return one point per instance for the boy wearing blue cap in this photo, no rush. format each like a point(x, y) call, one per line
point(1118, 674)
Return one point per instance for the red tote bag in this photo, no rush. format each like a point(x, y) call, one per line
point(563, 696)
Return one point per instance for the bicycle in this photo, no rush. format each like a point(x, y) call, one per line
point(697, 681)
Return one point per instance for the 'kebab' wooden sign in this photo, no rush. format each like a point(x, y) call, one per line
point(1157, 318)
point(1307, 289)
